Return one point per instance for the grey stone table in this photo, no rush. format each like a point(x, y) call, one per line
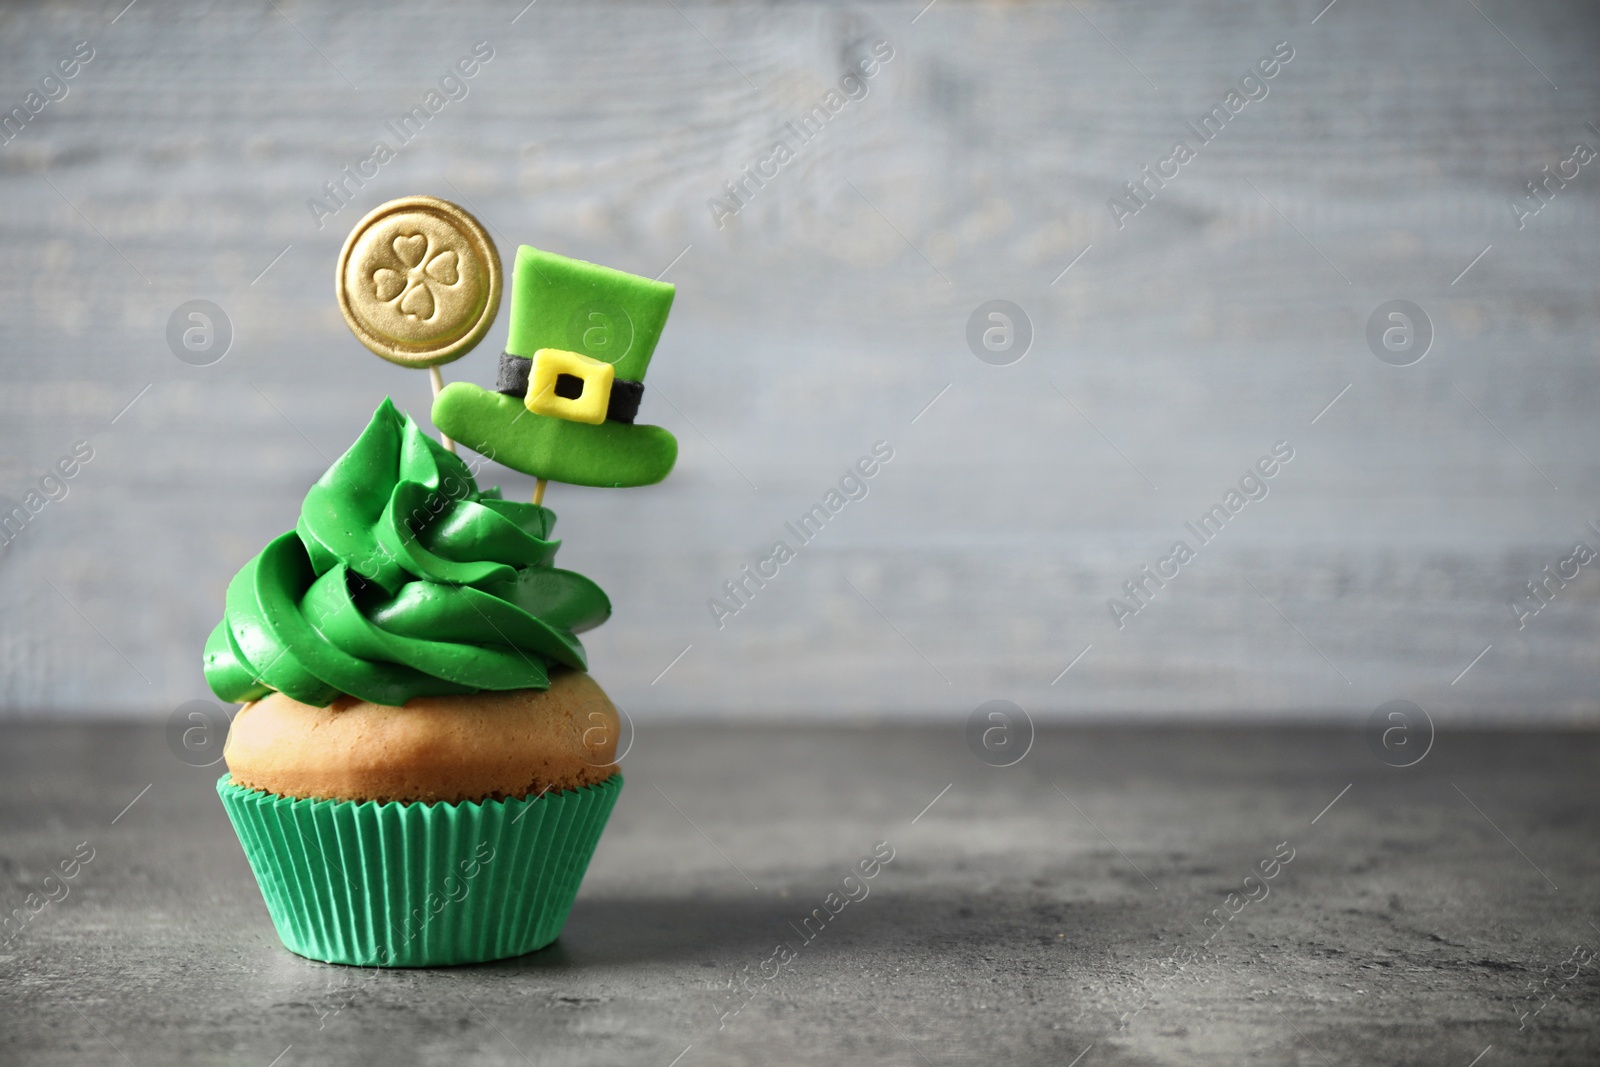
point(1071, 909)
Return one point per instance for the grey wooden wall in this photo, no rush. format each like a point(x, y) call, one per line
point(826, 315)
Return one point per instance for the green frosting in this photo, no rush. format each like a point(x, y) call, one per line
point(402, 579)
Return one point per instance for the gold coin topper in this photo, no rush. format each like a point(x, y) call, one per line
point(419, 281)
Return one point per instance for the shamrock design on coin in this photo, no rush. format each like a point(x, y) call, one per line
point(410, 285)
point(419, 281)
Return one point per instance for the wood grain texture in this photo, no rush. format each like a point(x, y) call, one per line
point(824, 316)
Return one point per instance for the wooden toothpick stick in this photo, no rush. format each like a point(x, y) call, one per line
point(538, 491)
point(438, 386)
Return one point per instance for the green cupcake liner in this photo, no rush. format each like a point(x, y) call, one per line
point(418, 885)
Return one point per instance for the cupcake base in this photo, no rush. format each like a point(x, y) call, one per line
point(419, 885)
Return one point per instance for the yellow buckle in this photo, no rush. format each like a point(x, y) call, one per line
point(594, 377)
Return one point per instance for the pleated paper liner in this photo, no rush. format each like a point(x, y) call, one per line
point(419, 885)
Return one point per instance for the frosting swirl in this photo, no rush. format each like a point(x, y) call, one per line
point(402, 579)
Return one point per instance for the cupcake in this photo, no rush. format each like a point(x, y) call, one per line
point(422, 767)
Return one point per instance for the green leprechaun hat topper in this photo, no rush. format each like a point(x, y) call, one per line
point(571, 378)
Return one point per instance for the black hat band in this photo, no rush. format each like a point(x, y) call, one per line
point(513, 381)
